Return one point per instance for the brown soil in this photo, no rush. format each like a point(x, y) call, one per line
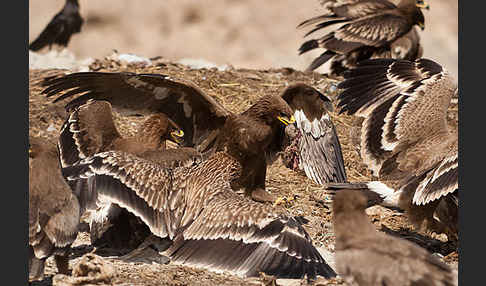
point(236, 89)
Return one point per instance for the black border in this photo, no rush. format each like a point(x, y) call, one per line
point(14, 138)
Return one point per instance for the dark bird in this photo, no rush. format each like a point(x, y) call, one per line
point(367, 257)
point(208, 126)
point(54, 212)
point(209, 224)
point(371, 29)
point(405, 138)
point(90, 129)
point(60, 29)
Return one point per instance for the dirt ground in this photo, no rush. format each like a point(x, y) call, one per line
point(243, 33)
point(236, 89)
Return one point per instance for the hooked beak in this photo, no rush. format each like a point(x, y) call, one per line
point(285, 120)
point(423, 5)
point(422, 26)
point(178, 136)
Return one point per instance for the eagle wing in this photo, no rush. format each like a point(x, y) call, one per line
point(211, 226)
point(198, 114)
point(88, 128)
point(402, 102)
point(320, 154)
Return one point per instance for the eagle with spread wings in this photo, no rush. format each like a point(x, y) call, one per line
point(209, 127)
point(196, 207)
point(405, 138)
point(370, 29)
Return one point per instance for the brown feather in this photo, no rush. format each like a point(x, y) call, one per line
point(372, 28)
point(54, 212)
point(367, 257)
point(404, 137)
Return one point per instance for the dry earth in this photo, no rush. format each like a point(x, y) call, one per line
point(235, 89)
point(243, 33)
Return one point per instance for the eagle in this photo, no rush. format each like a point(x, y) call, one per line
point(209, 127)
point(405, 138)
point(371, 29)
point(54, 211)
point(210, 226)
point(60, 29)
point(367, 257)
point(90, 129)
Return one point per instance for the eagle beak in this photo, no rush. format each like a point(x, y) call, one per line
point(422, 26)
point(285, 120)
point(177, 135)
point(423, 5)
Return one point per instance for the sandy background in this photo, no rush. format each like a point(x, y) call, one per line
point(252, 34)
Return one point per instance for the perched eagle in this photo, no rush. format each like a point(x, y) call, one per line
point(367, 257)
point(209, 224)
point(405, 138)
point(90, 129)
point(60, 29)
point(54, 212)
point(209, 127)
point(371, 29)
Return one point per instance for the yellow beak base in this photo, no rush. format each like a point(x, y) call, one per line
point(286, 120)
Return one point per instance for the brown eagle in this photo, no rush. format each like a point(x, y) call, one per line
point(405, 138)
point(60, 29)
point(54, 212)
point(209, 127)
point(367, 257)
point(90, 129)
point(209, 224)
point(371, 29)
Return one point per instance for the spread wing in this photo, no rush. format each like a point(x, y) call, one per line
point(341, 11)
point(138, 185)
point(402, 102)
point(440, 178)
point(319, 150)
point(88, 129)
point(211, 226)
point(60, 29)
point(375, 30)
point(365, 25)
point(355, 8)
point(199, 115)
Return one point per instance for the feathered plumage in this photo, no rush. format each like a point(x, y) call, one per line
point(210, 225)
point(60, 29)
point(316, 149)
point(208, 126)
point(405, 138)
point(89, 129)
point(54, 211)
point(367, 257)
point(371, 29)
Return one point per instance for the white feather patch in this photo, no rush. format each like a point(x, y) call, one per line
point(389, 195)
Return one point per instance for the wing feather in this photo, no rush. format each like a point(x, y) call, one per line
point(186, 104)
point(320, 154)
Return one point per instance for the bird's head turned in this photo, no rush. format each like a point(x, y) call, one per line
point(159, 127)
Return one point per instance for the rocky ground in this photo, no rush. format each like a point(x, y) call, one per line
point(235, 89)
